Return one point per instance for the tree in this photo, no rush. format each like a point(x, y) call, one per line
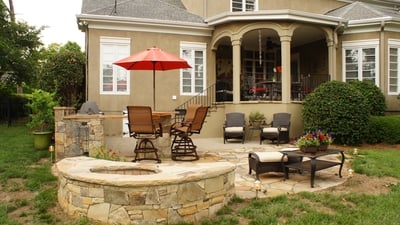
point(19, 48)
point(63, 72)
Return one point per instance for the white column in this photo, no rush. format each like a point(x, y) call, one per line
point(286, 76)
point(236, 69)
point(332, 59)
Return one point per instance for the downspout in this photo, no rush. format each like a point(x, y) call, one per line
point(382, 46)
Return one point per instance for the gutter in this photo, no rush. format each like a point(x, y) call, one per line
point(286, 14)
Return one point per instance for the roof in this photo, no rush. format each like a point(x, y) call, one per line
point(362, 11)
point(171, 10)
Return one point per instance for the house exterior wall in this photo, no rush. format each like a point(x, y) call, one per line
point(312, 6)
point(168, 82)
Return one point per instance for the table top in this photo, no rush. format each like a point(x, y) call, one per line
point(312, 155)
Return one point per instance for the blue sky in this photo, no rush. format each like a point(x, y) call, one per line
point(58, 15)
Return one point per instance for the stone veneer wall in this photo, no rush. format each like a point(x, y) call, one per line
point(191, 194)
point(69, 140)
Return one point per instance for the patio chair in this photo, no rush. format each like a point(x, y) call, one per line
point(187, 119)
point(234, 127)
point(183, 148)
point(142, 128)
point(279, 130)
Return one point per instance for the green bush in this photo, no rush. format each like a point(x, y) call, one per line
point(338, 108)
point(376, 99)
point(383, 129)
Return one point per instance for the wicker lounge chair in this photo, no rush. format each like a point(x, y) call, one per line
point(234, 127)
point(279, 130)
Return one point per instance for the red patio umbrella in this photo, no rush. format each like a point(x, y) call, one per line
point(153, 59)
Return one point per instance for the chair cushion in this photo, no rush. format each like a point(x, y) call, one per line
point(233, 129)
point(273, 129)
point(270, 156)
point(270, 130)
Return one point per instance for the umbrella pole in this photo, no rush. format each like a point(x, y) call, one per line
point(154, 86)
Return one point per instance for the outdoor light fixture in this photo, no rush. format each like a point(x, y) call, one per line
point(51, 150)
point(257, 186)
point(355, 151)
point(351, 171)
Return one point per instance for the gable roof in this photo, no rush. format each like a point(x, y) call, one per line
point(171, 10)
point(364, 11)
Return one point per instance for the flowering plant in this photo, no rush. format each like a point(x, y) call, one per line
point(109, 154)
point(315, 138)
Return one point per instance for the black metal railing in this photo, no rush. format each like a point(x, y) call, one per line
point(206, 98)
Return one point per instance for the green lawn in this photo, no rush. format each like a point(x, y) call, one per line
point(28, 192)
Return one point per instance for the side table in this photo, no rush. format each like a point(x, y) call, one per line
point(314, 164)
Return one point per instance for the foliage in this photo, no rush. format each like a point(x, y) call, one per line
point(378, 163)
point(63, 72)
point(376, 99)
point(42, 104)
point(19, 48)
point(340, 109)
point(108, 154)
point(314, 138)
point(256, 116)
point(383, 129)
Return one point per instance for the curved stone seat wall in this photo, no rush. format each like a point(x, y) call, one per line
point(137, 193)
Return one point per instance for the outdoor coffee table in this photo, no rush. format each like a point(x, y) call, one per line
point(314, 163)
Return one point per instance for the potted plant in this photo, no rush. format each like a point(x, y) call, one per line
point(256, 118)
point(41, 104)
point(314, 141)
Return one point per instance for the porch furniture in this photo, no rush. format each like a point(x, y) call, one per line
point(279, 130)
point(142, 128)
point(182, 147)
point(234, 127)
point(314, 164)
point(264, 162)
point(187, 119)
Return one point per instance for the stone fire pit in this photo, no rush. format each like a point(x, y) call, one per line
point(143, 193)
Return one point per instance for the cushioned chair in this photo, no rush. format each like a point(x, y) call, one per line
point(234, 127)
point(142, 128)
point(279, 130)
point(264, 162)
point(183, 148)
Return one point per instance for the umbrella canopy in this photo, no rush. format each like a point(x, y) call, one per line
point(153, 59)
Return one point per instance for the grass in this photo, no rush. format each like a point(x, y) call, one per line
point(26, 170)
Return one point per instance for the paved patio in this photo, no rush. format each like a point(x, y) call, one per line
point(273, 184)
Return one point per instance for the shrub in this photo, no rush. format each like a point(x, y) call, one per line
point(338, 108)
point(376, 99)
point(383, 129)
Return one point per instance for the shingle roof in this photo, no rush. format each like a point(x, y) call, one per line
point(361, 10)
point(172, 10)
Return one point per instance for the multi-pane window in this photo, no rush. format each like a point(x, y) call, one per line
point(113, 79)
point(394, 67)
point(360, 61)
point(193, 80)
point(244, 5)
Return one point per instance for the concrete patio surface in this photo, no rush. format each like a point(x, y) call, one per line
point(273, 184)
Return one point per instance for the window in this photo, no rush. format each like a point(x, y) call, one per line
point(193, 80)
point(394, 67)
point(360, 61)
point(114, 79)
point(244, 5)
